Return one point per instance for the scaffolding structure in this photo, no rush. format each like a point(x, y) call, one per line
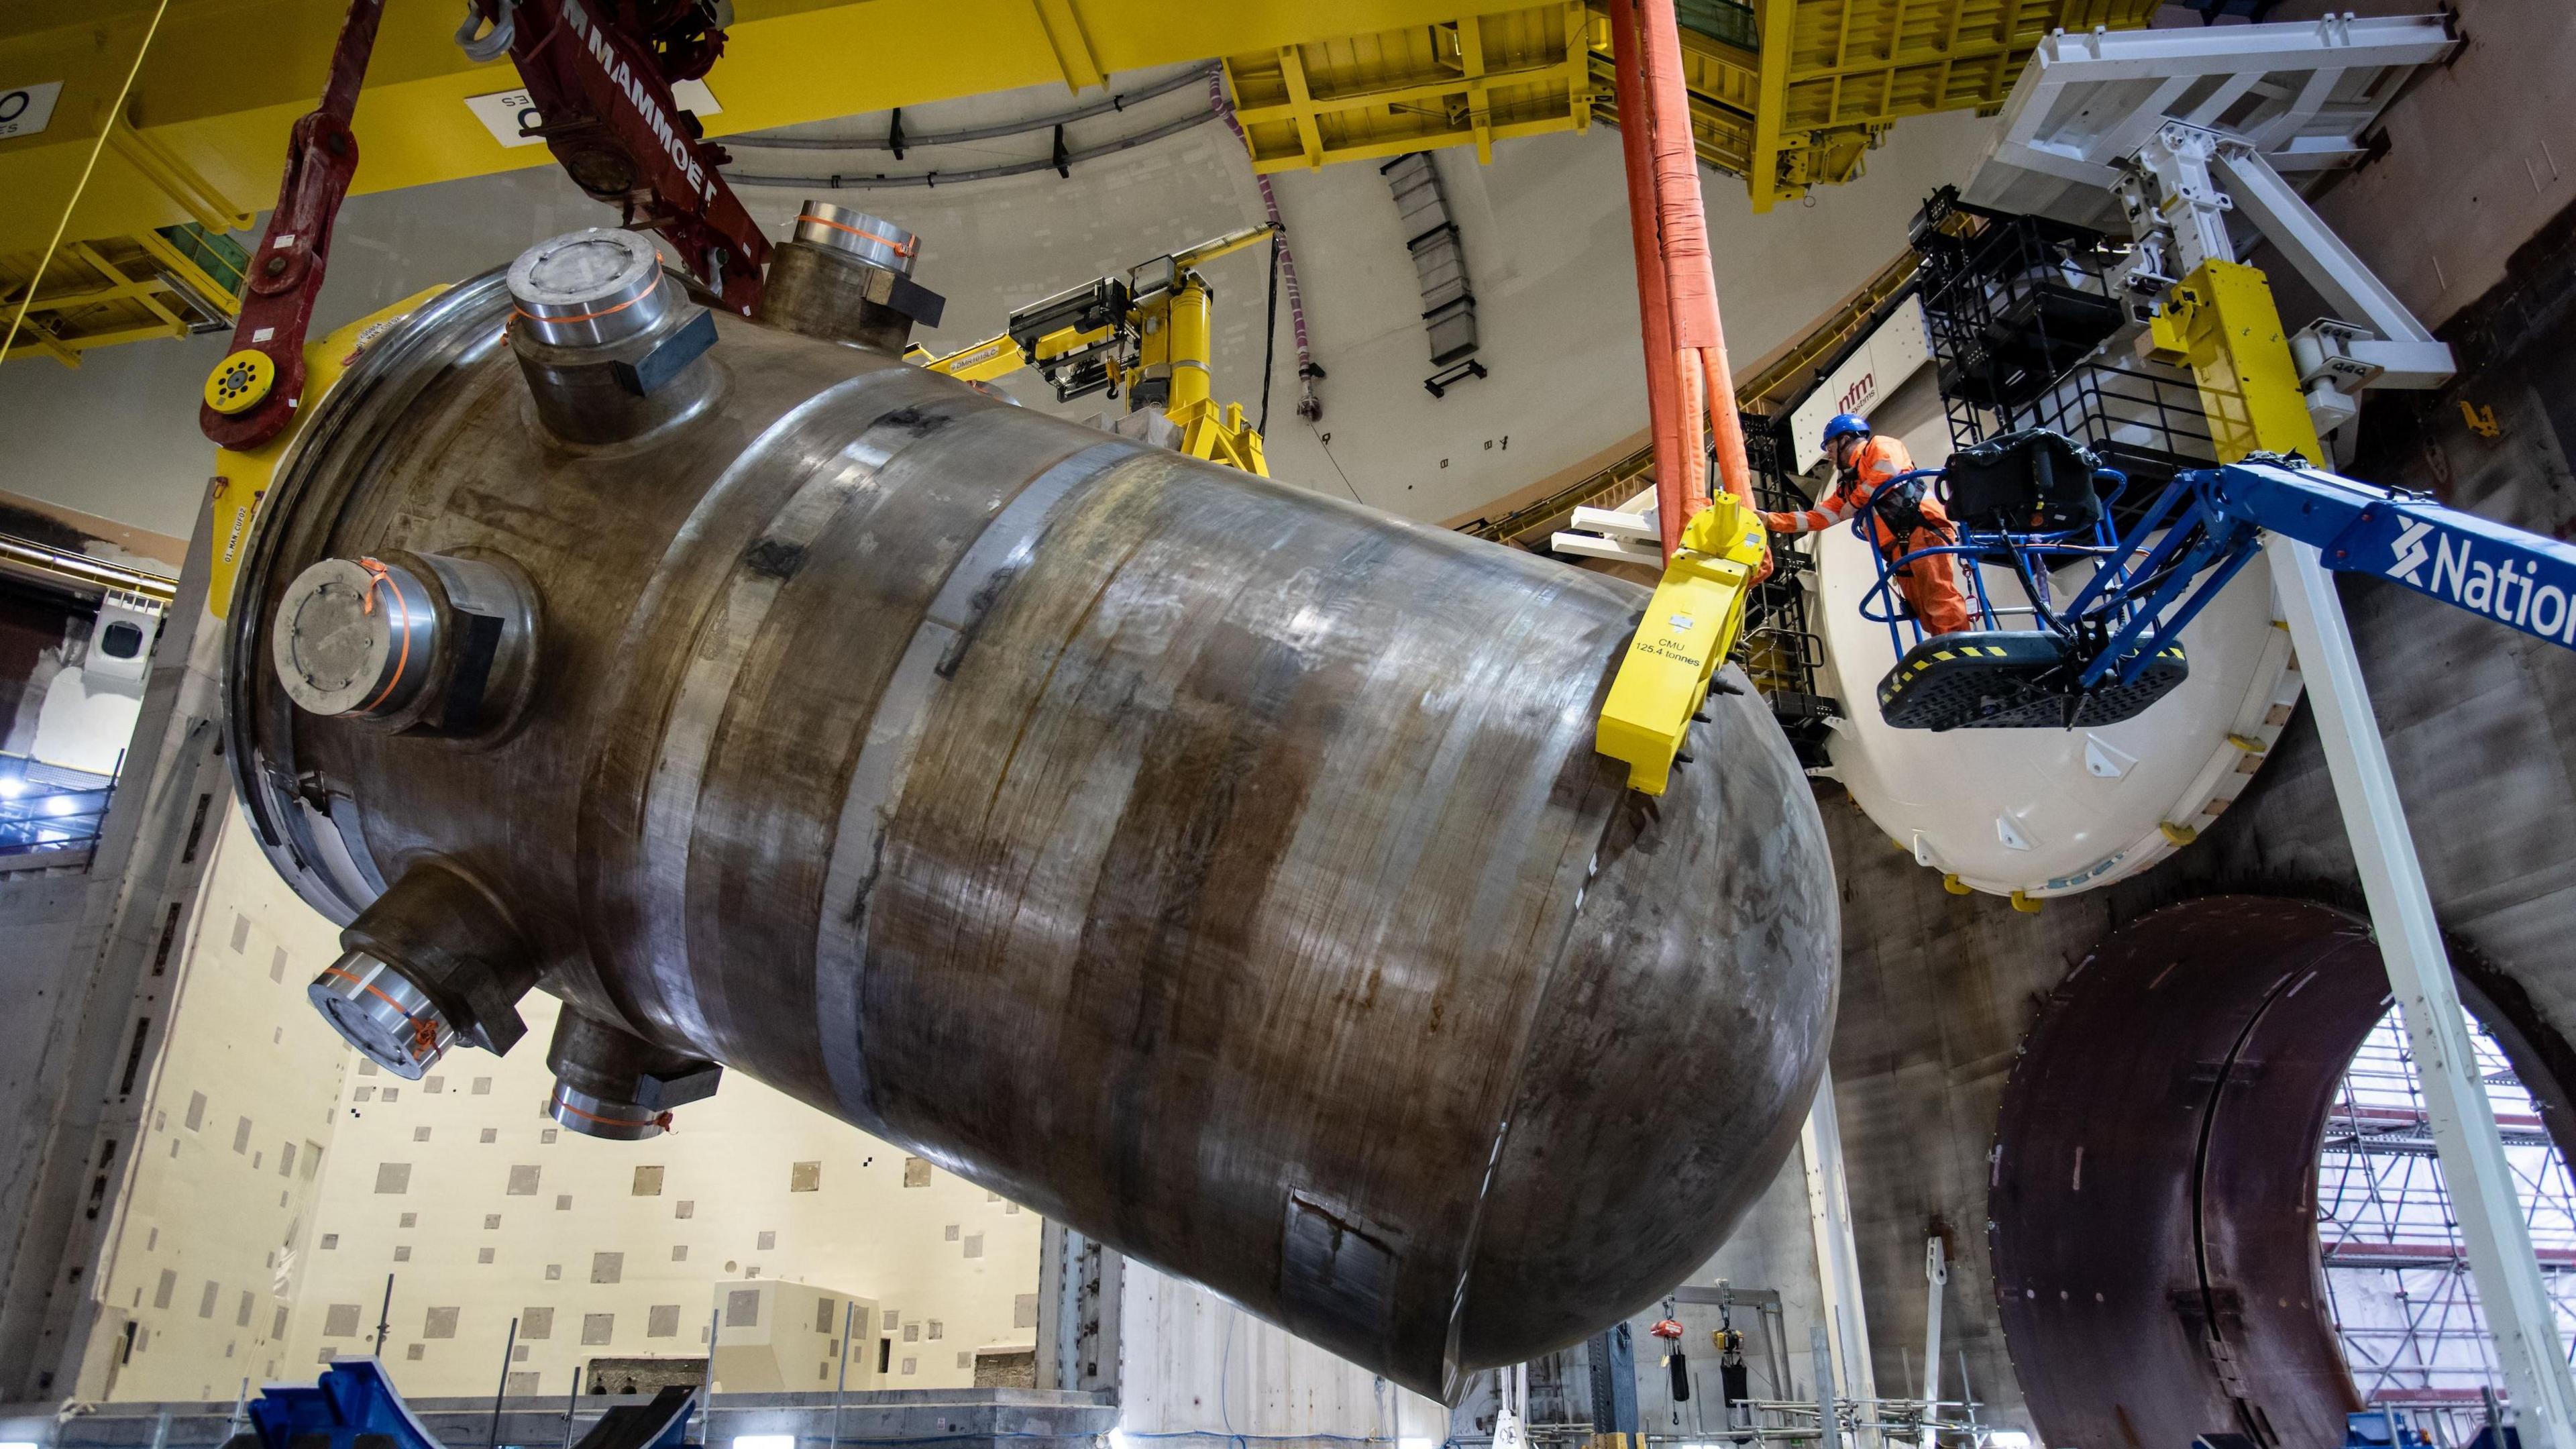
point(2395, 1267)
point(2029, 328)
point(47, 812)
point(1777, 646)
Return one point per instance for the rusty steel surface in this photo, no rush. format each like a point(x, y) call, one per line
point(2153, 1208)
point(1215, 867)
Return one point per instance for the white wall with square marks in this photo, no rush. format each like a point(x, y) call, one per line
point(284, 1180)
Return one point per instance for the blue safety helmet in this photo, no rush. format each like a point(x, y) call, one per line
point(1845, 425)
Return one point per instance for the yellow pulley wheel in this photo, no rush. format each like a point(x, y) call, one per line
point(240, 381)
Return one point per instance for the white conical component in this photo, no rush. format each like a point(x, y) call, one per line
point(2052, 812)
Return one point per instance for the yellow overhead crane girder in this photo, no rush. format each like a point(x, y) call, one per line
point(204, 133)
point(1786, 118)
point(199, 142)
point(1314, 80)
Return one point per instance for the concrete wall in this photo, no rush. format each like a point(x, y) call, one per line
point(483, 1210)
point(1195, 1367)
point(280, 1179)
point(211, 1232)
point(259, 1200)
point(42, 914)
point(2478, 157)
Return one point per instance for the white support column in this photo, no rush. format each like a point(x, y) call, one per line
point(2519, 1314)
point(1837, 1254)
point(2189, 203)
point(1936, 1272)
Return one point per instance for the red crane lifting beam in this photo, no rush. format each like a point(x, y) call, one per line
point(600, 73)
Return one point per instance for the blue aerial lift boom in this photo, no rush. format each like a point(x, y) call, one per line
point(2114, 647)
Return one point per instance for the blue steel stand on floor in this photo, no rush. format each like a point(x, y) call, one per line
point(354, 1403)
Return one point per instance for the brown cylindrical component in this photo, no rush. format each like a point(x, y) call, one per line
point(433, 960)
point(609, 342)
point(845, 276)
point(612, 1083)
point(1214, 867)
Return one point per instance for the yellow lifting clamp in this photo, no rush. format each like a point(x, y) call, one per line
point(1688, 630)
point(241, 480)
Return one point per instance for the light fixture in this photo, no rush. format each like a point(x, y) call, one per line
point(1999, 1439)
point(58, 805)
point(740, 1441)
point(11, 787)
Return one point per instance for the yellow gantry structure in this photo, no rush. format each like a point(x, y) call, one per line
point(1788, 93)
point(1471, 80)
point(1163, 348)
point(1787, 117)
point(167, 282)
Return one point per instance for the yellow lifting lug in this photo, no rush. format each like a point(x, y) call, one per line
point(1688, 629)
point(2026, 904)
point(1954, 885)
point(1218, 246)
point(241, 480)
point(240, 381)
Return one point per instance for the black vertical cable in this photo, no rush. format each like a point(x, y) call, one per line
point(1270, 335)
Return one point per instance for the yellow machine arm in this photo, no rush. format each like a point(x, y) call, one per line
point(1160, 339)
point(1218, 246)
point(999, 357)
point(1689, 628)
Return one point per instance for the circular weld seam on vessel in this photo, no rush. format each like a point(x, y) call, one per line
point(894, 730)
point(725, 633)
point(1564, 740)
point(385, 378)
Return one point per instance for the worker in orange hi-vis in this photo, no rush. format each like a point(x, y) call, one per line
point(1903, 524)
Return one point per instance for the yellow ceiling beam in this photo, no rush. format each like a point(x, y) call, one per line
point(1833, 75)
point(1390, 96)
point(1480, 104)
point(1762, 173)
point(1467, 80)
point(116, 289)
point(1073, 54)
point(1315, 81)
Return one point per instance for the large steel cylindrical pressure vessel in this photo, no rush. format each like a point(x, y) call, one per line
point(1216, 867)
